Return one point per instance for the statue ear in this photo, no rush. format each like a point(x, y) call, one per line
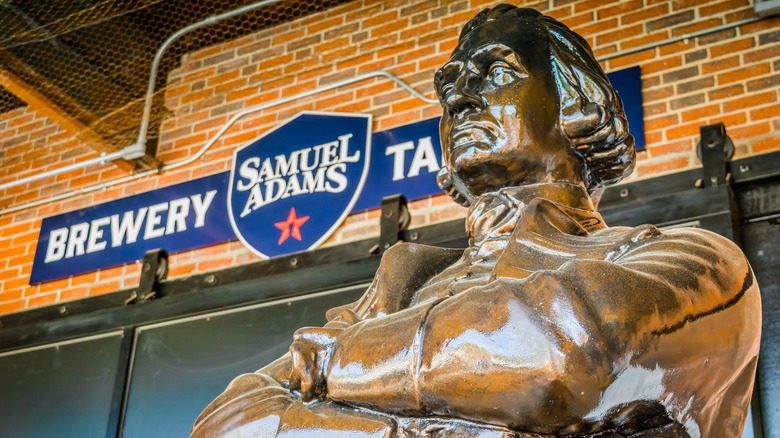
point(444, 180)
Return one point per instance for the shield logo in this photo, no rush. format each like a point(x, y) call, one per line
point(293, 186)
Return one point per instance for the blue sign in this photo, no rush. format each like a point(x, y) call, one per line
point(403, 160)
point(291, 188)
point(287, 192)
point(175, 218)
point(628, 84)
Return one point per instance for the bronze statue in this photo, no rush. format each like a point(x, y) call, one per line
point(550, 323)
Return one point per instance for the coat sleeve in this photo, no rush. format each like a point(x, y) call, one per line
point(256, 403)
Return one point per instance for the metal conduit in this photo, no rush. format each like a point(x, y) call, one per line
point(672, 40)
point(140, 145)
point(218, 134)
point(134, 149)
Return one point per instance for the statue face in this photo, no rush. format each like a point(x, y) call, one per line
point(501, 125)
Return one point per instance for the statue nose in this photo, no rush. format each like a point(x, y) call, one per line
point(465, 94)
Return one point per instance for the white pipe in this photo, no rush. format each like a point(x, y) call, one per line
point(178, 34)
point(138, 149)
point(292, 98)
point(671, 40)
point(75, 166)
point(215, 137)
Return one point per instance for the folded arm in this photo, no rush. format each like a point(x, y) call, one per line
point(541, 352)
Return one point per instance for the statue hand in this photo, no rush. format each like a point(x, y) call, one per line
point(311, 350)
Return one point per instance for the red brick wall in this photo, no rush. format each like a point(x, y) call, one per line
point(732, 76)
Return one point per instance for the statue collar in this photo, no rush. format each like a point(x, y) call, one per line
point(497, 214)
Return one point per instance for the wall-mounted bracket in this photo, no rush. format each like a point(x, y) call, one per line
point(714, 150)
point(154, 269)
point(394, 219)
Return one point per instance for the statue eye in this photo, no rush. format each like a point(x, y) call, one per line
point(501, 73)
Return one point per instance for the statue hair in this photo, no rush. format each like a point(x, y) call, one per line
point(591, 112)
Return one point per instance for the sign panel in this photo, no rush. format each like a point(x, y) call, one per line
point(287, 192)
point(403, 160)
point(628, 84)
point(175, 218)
point(291, 188)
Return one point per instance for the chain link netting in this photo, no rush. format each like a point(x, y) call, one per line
point(9, 101)
point(92, 58)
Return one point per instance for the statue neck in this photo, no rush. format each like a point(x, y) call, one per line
point(494, 215)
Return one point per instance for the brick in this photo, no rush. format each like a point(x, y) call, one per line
point(299, 43)
point(695, 56)
point(670, 147)
point(74, 293)
point(679, 46)
point(762, 83)
point(767, 23)
point(196, 96)
point(766, 144)
point(618, 9)
point(661, 122)
point(731, 47)
point(681, 74)
point(681, 131)
point(763, 113)
point(696, 26)
point(587, 4)
point(749, 131)
point(743, 74)
point(420, 30)
point(769, 38)
point(216, 59)
point(695, 85)
point(332, 101)
point(104, 288)
point(41, 300)
point(664, 166)
point(687, 101)
point(9, 294)
point(654, 109)
point(289, 36)
point(599, 27)
point(644, 40)
point(669, 20)
point(749, 101)
point(235, 64)
point(419, 7)
point(699, 113)
point(398, 120)
point(685, 4)
point(722, 93)
point(632, 59)
point(578, 20)
point(721, 7)
point(661, 64)
point(739, 15)
point(321, 25)
point(209, 265)
point(11, 306)
point(229, 86)
point(619, 33)
point(760, 55)
point(717, 37)
point(379, 19)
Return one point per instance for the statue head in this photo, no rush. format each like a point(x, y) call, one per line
point(526, 102)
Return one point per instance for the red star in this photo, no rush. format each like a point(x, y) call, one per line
point(294, 222)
